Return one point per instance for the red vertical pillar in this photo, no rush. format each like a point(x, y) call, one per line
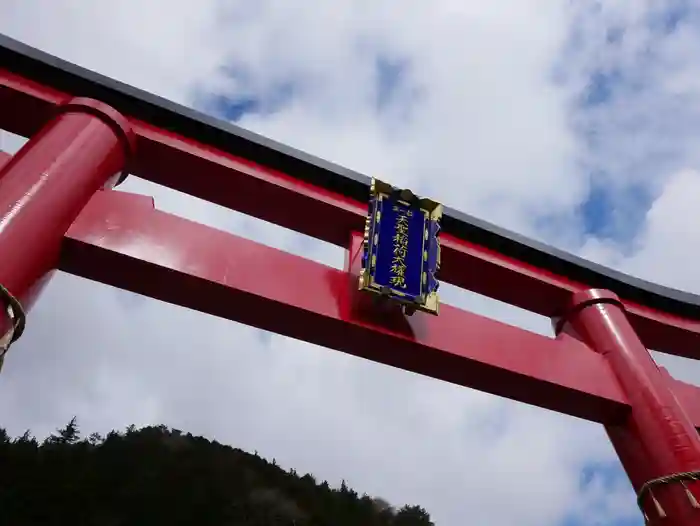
point(44, 187)
point(656, 443)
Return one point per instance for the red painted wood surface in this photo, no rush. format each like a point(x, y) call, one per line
point(657, 438)
point(46, 184)
point(233, 182)
point(120, 239)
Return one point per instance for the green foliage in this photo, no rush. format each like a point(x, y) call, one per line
point(155, 475)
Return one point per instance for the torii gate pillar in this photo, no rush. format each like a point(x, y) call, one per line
point(657, 444)
point(43, 189)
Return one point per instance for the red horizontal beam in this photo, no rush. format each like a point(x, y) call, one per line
point(121, 240)
point(188, 166)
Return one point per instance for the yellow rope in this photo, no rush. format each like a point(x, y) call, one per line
point(682, 477)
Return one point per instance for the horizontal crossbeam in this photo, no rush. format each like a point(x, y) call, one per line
point(245, 172)
point(120, 239)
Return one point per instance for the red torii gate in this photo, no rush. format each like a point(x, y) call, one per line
point(58, 211)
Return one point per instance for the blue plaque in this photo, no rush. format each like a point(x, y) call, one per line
point(401, 252)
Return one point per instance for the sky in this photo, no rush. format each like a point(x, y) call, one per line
point(570, 122)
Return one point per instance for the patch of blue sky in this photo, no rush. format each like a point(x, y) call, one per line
point(616, 212)
point(597, 210)
point(600, 88)
point(235, 107)
point(614, 215)
point(390, 77)
point(586, 522)
point(390, 84)
point(611, 477)
point(672, 14)
point(609, 474)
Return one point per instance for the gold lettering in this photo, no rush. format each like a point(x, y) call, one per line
point(398, 281)
point(397, 270)
point(408, 213)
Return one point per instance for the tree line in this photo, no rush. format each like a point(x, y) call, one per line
point(156, 475)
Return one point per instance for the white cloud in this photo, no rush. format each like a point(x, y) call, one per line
point(645, 138)
point(477, 122)
point(163, 46)
point(634, 64)
point(479, 129)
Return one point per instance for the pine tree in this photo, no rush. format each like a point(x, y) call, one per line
point(95, 439)
point(412, 516)
point(69, 434)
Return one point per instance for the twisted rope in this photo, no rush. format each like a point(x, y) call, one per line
point(16, 314)
point(682, 477)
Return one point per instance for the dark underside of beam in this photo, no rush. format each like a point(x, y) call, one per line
point(51, 71)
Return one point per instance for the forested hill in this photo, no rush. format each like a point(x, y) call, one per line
point(158, 476)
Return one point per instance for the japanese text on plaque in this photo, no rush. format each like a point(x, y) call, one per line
point(400, 239)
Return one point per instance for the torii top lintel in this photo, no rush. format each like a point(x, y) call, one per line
point(476, 254)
